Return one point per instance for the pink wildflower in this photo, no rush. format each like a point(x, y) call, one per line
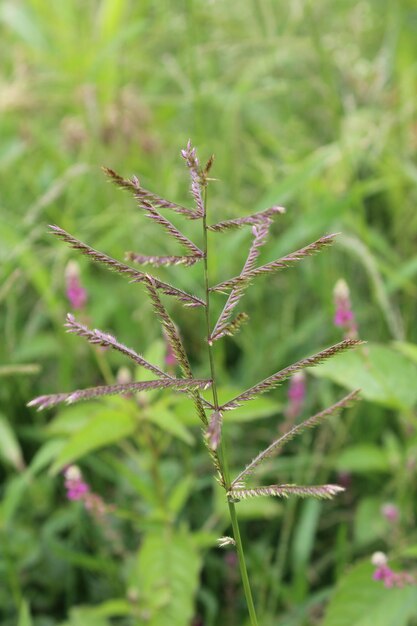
point(75, 486)
point(390, 512)
point(78, 489)
point(76, 294)
point(385, 574)
point(296, 395)
point(344, 316)
point(170, 360)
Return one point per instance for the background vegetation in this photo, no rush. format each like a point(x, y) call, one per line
point(311, 105)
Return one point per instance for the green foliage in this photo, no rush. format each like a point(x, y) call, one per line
point(165, 579)
point(308, 105)
point(361, 601)
point(10, 450)
point(382, 373)
point(103, 428)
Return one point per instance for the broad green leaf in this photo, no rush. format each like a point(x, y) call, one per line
point(81, 559)
point(167, 421)
point(410, 552)
point(179, 494)
point(45, 455)
point(113, 608)
point(85, 616)
point(408, 349)
point(10, 450)
point(13, 495)
point(363, 458)
point(383, 374)
point(105, 428)
point(305, 532)
point(25, 618)
point(369, 523)
point(71, 419)
point(361, 601)
point(98, 615)
point(166, 578)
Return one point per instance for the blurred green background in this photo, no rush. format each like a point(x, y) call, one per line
point(310, 105)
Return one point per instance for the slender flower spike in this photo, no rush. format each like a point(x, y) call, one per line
point(76, 294)
point(344, 317)
point(79, 490)
point(76, 488)
point(390, 512)
point(388, 576)
point(296, 395)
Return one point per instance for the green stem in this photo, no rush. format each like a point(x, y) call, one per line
point(223, 455)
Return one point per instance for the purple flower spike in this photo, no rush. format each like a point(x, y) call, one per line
point(390, 512)
point(74, 483)
point(76, 294)
point(79, 490)
point(296, 395)
point(344, 317)
point(388, 576)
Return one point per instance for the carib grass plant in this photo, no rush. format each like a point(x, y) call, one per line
point(210, 412)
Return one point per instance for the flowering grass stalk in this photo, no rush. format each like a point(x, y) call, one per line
point(212, 414)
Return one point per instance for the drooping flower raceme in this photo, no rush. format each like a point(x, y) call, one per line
point(344, 316)
point(390, 512)
point(388, 576)
point(76, 487)
point(296, 395)
point(79, 490)
point(76, 294)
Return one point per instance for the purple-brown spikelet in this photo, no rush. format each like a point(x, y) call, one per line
point(159, 261)
point(322, 492)
point(190, 157)
point(99, 338)
point(214, 429)
point(122, 268)
point(274, 266)
point(311, 422)
point(44, 402)
point(142, 194)
point(256, 218)
point(222, 326)
point(279, 377)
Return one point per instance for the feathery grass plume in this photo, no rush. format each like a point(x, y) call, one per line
point(256, 218)
point(99, 338)
point(279, 264)
point(45, 402)
point(223, 326)
point(276, 379)
point(213, 432)
point(121, 268)
point(142, 194)
point(322, 492)
point(159, 261)
point(311, 422)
